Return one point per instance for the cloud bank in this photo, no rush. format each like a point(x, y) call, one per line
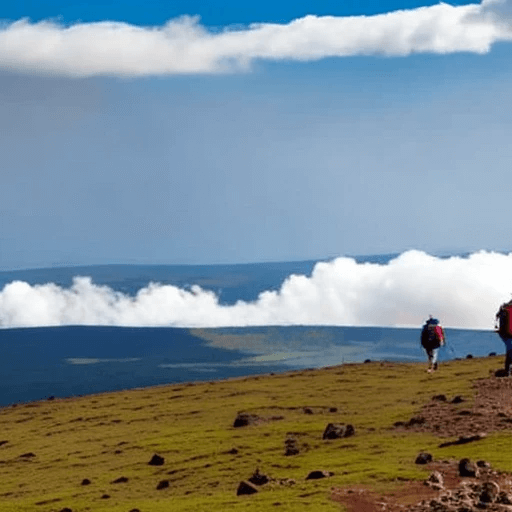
point(183, 45)
point(462, 292)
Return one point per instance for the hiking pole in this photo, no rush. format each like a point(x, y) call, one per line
point(450, 348)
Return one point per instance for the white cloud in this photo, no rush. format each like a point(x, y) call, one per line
point(184, 46)
point(462, 292)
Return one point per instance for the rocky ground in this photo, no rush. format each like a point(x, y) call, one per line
point(453, 485)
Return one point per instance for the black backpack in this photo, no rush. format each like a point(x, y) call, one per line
point(429, 336)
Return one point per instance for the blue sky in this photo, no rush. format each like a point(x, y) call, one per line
point(214, 140)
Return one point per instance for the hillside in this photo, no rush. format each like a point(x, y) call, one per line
point(92, 453)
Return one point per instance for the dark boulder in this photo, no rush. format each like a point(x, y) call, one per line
point(86, 481)
point(458, 399)
point(467, 468)
point(163, 484)
point(490, 491)
point(439, 398)
point(245, 488)
point(156, 460)
point(504, 499)
point(316, 475)
point(28, 455)
point(338, 430)
point(244, 419)
point(291, 446)
point(416, 420)
point(259, 478)
point(423, 458)
point(120, 480)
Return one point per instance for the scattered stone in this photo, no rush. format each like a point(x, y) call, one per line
point(492, 354)
point(259, 478)
point(134, 510)
point(50, 398)
point(483, 464)
point(504, 498)
point(333, 409)
point(490, 491)
point(308, 410)
point(120, 480)
point(435, 479)
point(438, 506)
point(105, 496)
point(416, 420)
point(66, 509)
point(439, 398)
point(338, 430)
point(163, 484)
point(467, 468)
point(245, 488)
point(469, 356)
point(28, 455)
point(3, 442)
point(244, 419)
point(316, 475)
point(367, 361)
point(463, 440)
point(291, 446)
point(423, 458)
point(458, 399)
point(233, 451)
point(85, 481)
point(156, 460)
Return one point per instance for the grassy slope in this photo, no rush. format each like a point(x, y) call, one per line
point(104, 437)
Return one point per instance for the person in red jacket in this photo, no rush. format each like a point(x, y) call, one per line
point(432, 338)
point(503, 326)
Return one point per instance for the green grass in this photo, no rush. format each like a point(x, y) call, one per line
point(104, 437)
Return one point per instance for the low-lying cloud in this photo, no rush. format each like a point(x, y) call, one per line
point(463, 292)
point(183, 45)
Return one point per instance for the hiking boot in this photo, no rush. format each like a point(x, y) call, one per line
point(435, 366)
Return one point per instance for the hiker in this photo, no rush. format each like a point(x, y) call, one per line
point(503, 325)
point(432, 337)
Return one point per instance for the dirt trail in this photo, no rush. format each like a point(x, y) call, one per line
point(454, 418)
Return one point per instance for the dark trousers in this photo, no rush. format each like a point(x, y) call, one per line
point(508, 356)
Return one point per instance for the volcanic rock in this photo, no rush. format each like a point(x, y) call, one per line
point(291, 446)
point(163, 484)
point(246, 488)
point(259, 478)
point(156, 460)
point(317, 474)
point(467, 468)
point(120, 480)
point(338, 430)
point(490, 491)
point(244, 419)
point(423, 458)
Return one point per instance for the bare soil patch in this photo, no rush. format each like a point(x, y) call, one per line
point(460, 419)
